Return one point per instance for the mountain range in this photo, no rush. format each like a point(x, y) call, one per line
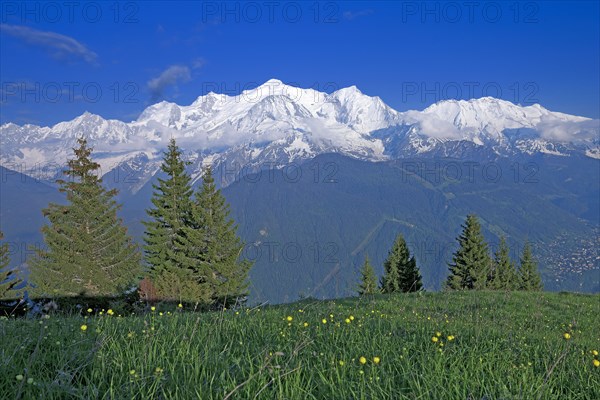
point(277, 124)
point(317, 181)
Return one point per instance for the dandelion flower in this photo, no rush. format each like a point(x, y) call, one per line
point(434, 339)
point(362, 360)
point(89, 310)
point(110, 312)
point(132, 372)
point(290, 318)
point(567, 336)
point(180, 305)
point(596, 363)
point(376, 360)
point(305, 324)
point(341, 363)
point(595, 352)
point(158, 370)
point(347, 320)
point(438, 334)
point(450, 338)
point(352, 318)
point(324, 320)
point(83, 328)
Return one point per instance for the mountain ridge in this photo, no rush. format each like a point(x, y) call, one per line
point(279, 123)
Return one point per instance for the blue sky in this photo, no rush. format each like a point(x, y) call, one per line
point(57, 60)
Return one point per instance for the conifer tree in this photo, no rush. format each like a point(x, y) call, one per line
point(400, 270)
point(368, 279)
point(8, 278)
point(171, 213)
point(88, 249)
point(212, 247)
point(411, 277)
point(471, 262)
point(529, 276)
point(503, 276)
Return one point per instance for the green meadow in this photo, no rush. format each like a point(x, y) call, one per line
point(458, 345)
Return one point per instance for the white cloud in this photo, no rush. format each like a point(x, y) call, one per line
point(569, 131)
point(169, 77)
point(59, 46)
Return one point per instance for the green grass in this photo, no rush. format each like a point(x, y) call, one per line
point(506, 346)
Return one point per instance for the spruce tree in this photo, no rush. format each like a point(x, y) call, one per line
point(400, 270)
point(529, 276)
point(212, 247)
point(8, 278)
point(88, 250)
point(471, 262)
point(503, 276)
point(368, 279)
point(411, 277)
point(171, 213)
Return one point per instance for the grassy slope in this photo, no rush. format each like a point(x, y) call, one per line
point(506, 346)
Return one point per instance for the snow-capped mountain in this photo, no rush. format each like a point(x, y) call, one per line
point(278, 123)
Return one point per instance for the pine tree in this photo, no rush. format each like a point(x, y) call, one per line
point(529, 276)
point(471, 262)
point(400, 270)
point(368, 279)
point(503, 276)
point(172, 201)
point(8, 278)
point(88, 249)
point(213, 248)
point(411, 277)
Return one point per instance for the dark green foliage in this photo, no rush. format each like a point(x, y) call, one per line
point(192, 248)
point(471, 262)
point(88, 249)
point(8, 279)
point(368, 279)
point(400, 270)
point(503, 273)
point(212, 248)
point(171, 212)
point(529, 276)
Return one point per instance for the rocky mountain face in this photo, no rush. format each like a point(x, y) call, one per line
point(277, 124)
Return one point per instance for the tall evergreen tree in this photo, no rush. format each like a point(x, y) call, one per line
point(172, 201)
point(411, 280)
point(503, 275)
point(213, 248)
point(471, 262)
point(368, 279)
point(400, 270)
point(88, 249)
point(529, 276)
point(8, 278)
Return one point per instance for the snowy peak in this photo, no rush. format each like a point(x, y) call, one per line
point(276, 122)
